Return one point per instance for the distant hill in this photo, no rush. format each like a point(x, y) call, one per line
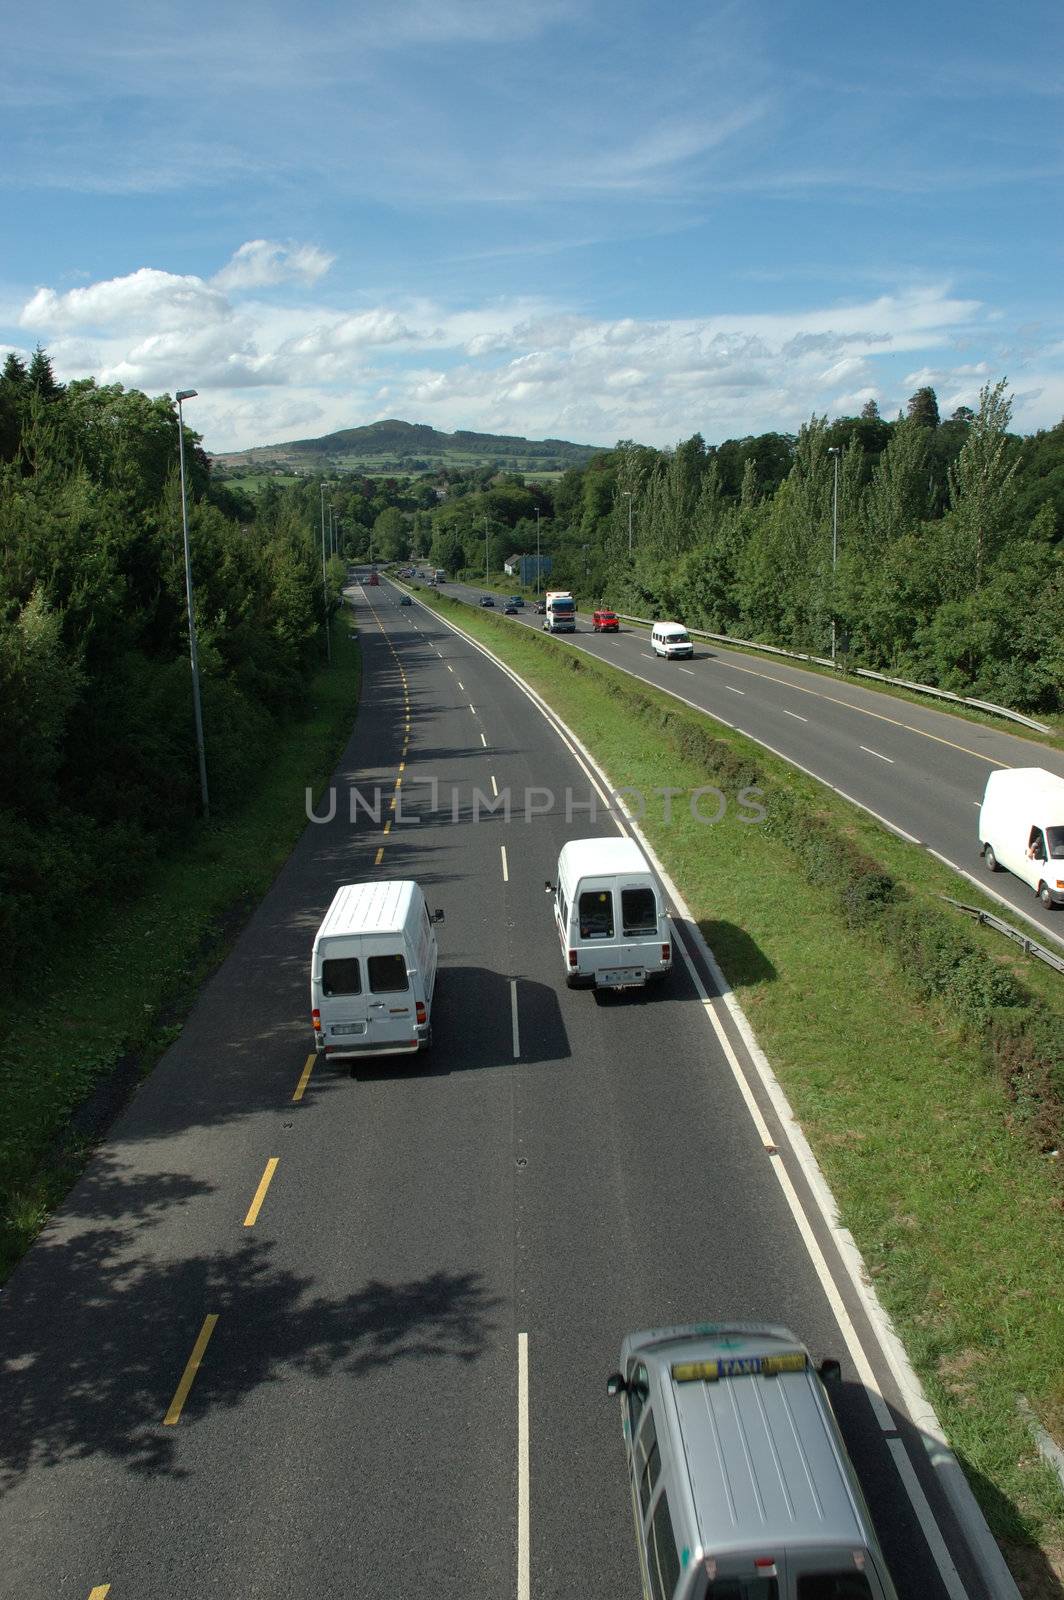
point(412, 446)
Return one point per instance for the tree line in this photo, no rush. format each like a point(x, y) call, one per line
point(939, 558)
point(98, 765)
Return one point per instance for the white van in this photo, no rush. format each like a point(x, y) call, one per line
point(671, 639)
point(373, 971)
point(610, 916)
point(1021, 827)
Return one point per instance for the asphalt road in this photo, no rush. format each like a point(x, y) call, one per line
point(919, 769)
point(561, 1169)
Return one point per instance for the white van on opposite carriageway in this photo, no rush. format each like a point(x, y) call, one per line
point(671, 639)
point(373, 971)
point(609, 915)
point(1021, 827)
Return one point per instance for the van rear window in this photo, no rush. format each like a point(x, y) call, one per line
point(387, 974)
point(639, 911)
point(596, 914)
point(743, 1589)
point(341, 976)
point(833, 1586)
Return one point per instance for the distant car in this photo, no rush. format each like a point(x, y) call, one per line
point(486, 600)
point(509, 609)
point(605, 622)
point(404, 600)
point(516, 600)
point(540, 608)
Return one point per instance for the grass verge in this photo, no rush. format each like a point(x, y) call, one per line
point(955, 1206)
point(149, 957)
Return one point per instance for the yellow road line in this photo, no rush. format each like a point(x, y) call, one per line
point(388, 826)
point(304, 1078)
point(378, 858)
point(100, 1592)
point(189, 1374)
point(260, 1193)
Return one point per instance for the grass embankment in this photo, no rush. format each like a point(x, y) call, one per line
point(118, 987)
point(917, 1052)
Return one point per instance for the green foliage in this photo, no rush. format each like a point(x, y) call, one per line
point(97, 750)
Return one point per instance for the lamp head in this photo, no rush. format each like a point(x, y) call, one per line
point(186, 394)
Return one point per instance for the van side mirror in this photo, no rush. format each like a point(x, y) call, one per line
point(830, 1370)
point(437, 915)
point(549, 887)
point(615, 1384)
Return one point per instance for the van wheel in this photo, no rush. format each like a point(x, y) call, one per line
point(1045, 896)
point(992, 862)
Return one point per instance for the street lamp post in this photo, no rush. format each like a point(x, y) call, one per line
point(325, 579)
point(190, 394)
point(835, 451)
point(629, 496)
point(537, 551)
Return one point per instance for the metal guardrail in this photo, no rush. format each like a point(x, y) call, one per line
point(860, 672)
point(1031, 947)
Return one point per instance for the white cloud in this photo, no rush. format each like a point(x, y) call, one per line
point(269, 368)
point(159, 298)
point(262, 262)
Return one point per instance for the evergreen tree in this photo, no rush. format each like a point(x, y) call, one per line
point(923, 407)
point(870, 411)
point(41, 378)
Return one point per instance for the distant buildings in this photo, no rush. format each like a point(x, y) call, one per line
point(524, 567)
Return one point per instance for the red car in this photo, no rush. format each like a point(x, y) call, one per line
point(605, 622)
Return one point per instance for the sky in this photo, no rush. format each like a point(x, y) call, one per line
point(572, 220)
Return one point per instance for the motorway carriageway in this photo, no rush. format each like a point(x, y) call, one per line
point(303, 1332)
point(919, 770)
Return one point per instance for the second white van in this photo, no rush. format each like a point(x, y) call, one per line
point(1021, 827)
point(373, 971)
point(609, 916)
point(671, 639)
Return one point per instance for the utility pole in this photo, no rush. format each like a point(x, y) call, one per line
point(485, 550)
point(325, 579)
point(190, 394)
point(834, 450)
point(537, 551)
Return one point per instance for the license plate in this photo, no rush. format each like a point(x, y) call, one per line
point(348, 1027)
point(621, 977)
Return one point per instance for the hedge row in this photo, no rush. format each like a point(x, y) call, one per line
point(1022, 1040)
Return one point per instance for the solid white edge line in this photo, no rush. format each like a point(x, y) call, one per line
point(947, 1468)
point(505, 868)
point(522, 1468)
point(513, 1017)
point(932, 1533)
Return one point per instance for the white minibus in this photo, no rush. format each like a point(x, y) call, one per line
point(671, 639)
point(610, 916)
point(373, 971)
point(1021, 827)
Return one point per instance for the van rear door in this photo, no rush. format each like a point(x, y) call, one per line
point(391, 997)
point(344, 1003)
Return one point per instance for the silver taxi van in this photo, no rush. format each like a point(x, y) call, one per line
point(741, 1485)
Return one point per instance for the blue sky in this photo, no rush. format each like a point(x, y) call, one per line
point(582, 220)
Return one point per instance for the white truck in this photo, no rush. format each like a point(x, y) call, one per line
point(560, 615)
point(1021, 828)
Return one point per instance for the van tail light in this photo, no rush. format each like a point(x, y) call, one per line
point(666, 952)
point(766, 1566)
point(572, 958)
point(421, 1013)
point(315, 1017)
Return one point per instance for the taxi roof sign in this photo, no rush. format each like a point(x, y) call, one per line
point(738, 1367)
